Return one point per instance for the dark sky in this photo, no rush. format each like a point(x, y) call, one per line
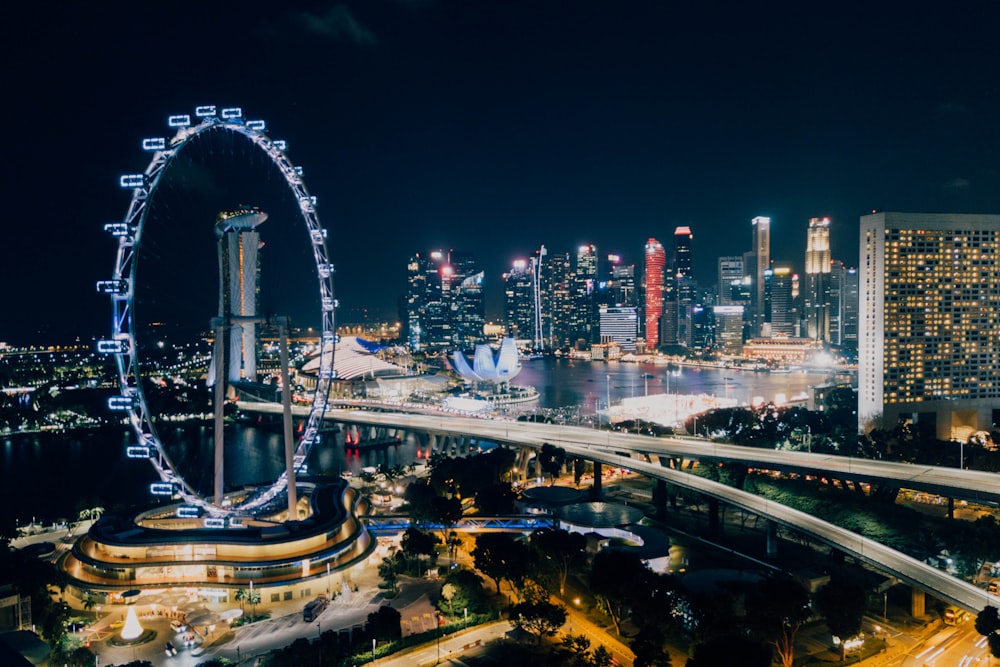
point(490, 126)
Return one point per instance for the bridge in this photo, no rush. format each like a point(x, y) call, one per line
point(617, 449)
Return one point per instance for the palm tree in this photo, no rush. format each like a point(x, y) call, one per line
point(254, 599)
point(241, 596)
point(96, 512)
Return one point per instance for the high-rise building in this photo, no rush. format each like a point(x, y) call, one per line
point(559, 302)
point(584, 280)
point(239, 287)
point(620, 284)
point(619, 325)
point(849, 308)
point(445, 310)
point(685, 286)
point(782, 289)
point(728, 328)
point(656, 262)
point(730, 271)
point(817, 292)
point(929, 312)
point(760, 253)
point(519, 302)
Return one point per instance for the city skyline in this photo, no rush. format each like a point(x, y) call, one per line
point(499, 127)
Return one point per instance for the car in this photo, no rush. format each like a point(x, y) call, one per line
point(178, 626)
point(170, 650)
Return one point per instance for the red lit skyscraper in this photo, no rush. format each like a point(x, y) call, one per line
point(656, 261)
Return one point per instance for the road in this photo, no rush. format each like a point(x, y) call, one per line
point(608, 447)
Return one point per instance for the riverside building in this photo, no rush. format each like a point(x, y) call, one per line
point(929, 312)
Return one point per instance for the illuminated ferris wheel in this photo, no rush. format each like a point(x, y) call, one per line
point(122, 344)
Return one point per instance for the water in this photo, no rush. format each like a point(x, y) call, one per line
point(48, 476)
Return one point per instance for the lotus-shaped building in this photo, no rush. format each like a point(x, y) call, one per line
point(486, 368)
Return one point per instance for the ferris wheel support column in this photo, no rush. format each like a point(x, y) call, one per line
point(286, 405)
point(219, 403)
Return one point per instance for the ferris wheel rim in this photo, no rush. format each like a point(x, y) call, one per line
point(122, 291)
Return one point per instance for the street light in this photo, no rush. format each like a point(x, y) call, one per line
point(373, 648)
point(466, 610)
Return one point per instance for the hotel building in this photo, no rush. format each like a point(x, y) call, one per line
point(929, 312)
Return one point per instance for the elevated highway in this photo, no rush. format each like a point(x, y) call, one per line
point(614, 449)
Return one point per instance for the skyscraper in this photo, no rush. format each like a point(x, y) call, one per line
point(444, 311)
point(930, 309)
point(239, 286)
point(519, 301)
point(817, 292)
point(781, 292)
point(730, 271)
point(582, 317)
point(761, 258)
point(685, 286)
point(656, 261)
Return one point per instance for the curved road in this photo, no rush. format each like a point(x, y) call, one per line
point(607, 447)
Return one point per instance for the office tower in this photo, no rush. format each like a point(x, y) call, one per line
point(656, 262)
point(849, 308)
point(584, 281)
point(619, 325)
point(444, 301)
point(469, 311)
point(782, 288)
point(621, 283)
point(929, 313)
point(728, 328)
point(730, 271)
point(761, 257)
point(519, 301)
point(239, 287)
point(817, 292)
point(559, 302)
point(685, 286)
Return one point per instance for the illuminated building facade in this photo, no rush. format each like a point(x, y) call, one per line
point(760, 261)
point(817, 297)
point(929, 313)
point(444, 302)
point(519, 301)
point(656, 262)
point(619, 325)
point(239, 287)
point(161, 550)
point(684, 286)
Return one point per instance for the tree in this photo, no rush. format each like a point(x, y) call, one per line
point(499, 556)
point(551, 459)
point(648, 646)
point(416, 543)
point(988, 625)
point(843, 603)
point(468, 591)
point(385, 623)
point(780, 605)
point(241, 596)
point(253, 597)
point(387, 570)
point(539, 617)
point(560, 551)
point(617, 578)
point(721, 650)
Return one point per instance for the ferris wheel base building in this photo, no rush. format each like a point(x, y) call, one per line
point(291, 560)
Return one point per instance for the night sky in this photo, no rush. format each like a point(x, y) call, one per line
point(479, 125)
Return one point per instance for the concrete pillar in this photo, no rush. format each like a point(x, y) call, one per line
point(713, 516)
point(660, 498)
point(771, 532)
point(917, 602)
point(951, 508)
point(595, 491)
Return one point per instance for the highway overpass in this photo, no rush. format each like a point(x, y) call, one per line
point(608, 447)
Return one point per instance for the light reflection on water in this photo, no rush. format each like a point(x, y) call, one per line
point(54, 475)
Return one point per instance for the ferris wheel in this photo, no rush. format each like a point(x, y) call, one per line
point(121, 289)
